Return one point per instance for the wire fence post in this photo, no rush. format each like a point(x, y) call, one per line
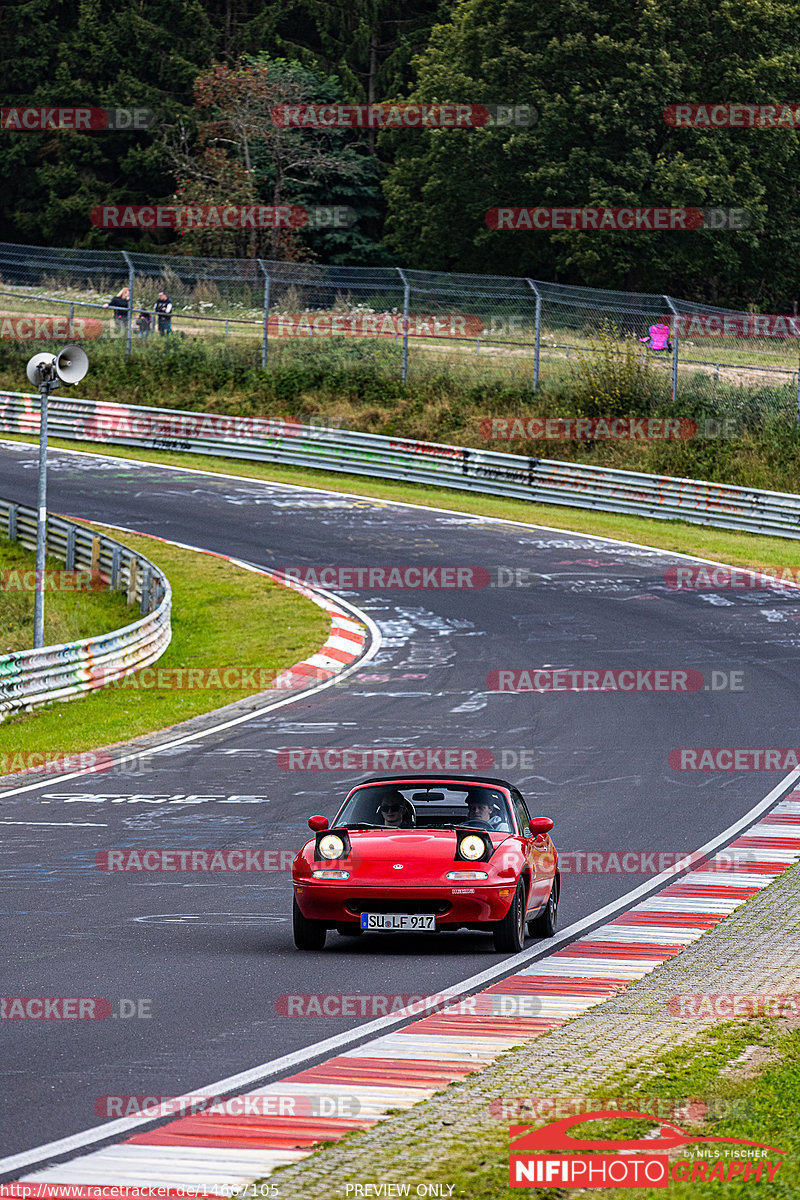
point(129, 322)
point(406, 299)
point(674, 312)
point(41, 522)
point(537, 335)
point(360, 301)
point(265, 336)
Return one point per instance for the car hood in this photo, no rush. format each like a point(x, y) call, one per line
point(434, 848)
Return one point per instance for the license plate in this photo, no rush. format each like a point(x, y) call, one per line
point(395, 922)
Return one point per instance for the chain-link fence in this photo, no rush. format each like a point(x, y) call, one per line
point(407, 324)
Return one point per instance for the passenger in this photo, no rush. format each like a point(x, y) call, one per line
point(397, 812)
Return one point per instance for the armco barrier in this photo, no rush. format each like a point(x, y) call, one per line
point(546, 481)
point(31, 677)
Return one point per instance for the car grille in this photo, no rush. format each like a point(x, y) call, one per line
point(378, 905)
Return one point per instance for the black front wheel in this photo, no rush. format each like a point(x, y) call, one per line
point(544, 926)
point(308, 935)
point(509, 934)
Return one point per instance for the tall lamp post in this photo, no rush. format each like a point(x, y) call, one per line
point(47, 372)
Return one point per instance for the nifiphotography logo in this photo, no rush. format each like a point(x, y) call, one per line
point(729, 1159)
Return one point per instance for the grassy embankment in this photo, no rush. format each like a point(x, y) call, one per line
point(356, 382)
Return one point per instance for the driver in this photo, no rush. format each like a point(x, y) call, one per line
point(479, 813)
point(396, 812)
point(484, 811)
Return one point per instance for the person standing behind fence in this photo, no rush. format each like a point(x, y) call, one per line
point(120, 305)
point(163, 310)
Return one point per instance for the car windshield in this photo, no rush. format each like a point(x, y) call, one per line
point(427, 806)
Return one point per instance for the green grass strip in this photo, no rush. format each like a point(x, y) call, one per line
point(69, 615)
point(762, 1108)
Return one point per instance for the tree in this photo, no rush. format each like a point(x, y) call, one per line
point(240, 156)
point(601, 77)
point(369, 43)
point(83, 53)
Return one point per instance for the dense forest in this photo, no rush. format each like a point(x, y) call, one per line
point(598, 77)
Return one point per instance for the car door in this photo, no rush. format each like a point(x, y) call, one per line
point(537, 854)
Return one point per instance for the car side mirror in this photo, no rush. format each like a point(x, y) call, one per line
point(317, 824)
point(540, 825)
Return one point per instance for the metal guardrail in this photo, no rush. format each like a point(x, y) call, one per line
point(546, 481)
point(32, 677)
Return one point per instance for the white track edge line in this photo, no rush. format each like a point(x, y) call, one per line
point(325, 599)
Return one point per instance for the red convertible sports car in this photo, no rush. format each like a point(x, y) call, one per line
point(423, 853)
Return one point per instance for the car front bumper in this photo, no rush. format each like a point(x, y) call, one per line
point(340, 903)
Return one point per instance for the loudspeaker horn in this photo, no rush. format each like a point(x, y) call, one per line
point(38, 360)
point(72, 364)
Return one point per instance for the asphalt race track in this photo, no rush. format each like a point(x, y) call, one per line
point(213, 954)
